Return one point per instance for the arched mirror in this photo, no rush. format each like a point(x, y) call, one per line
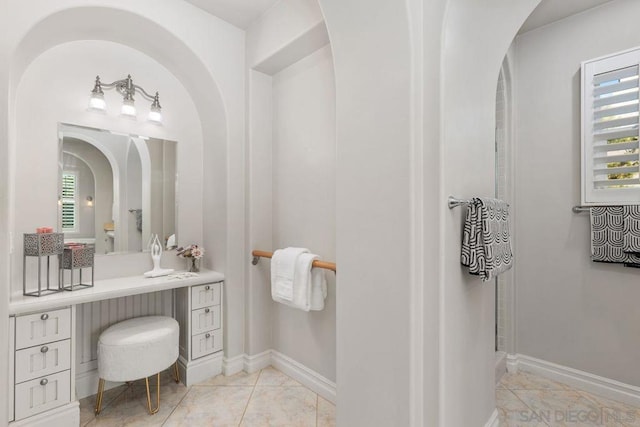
point(115, 190)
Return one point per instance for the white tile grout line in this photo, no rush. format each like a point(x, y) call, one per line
point(177, 404)
point(249, 400)
point(190, 388)
point(523, 402)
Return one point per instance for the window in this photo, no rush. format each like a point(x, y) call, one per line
point(69, 202)
point(610, 155)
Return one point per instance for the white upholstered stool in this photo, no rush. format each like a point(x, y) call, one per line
point(137, 348)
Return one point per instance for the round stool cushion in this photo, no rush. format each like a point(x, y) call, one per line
point(137, 348)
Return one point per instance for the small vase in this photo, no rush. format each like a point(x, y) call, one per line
point(193, 265)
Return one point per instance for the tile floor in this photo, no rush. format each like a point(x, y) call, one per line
point(265, 398)
point(270, 398)
point(527, 400)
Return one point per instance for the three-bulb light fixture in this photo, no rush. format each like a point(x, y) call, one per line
point(127, 89)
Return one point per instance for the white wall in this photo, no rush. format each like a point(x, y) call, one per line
point(4, 200)
point(477, 37)
point(477, 34)
point(259, 233)
point(279, 27)
point(570, 310)
point(291, 183)
point(304, 210)
point(370, 41)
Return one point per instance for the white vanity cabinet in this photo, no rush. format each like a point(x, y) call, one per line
point(199, 312)
point(41, 362)
point(52, 359)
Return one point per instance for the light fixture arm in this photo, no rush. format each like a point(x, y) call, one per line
point(126, 88)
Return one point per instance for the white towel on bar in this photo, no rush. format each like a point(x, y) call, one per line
point(283, 267)
point(309, 285)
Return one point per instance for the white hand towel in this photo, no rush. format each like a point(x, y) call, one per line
point(318, 289)
point(310, 285)
point(283, 266)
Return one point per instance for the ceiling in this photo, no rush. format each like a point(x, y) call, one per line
point(240, 13)
point(549, 11)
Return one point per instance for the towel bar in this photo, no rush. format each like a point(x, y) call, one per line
point(454, 202)
point(578, 209)
point(317, 264)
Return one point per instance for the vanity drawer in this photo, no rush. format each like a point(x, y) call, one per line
point(42, 394)
point(42, 360)
point(40, 328)
point(205, 319)
point(207, 343)
point(204, 295)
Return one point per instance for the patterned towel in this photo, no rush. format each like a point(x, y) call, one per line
point(486, 245)
point(608, 235)
point(631, 223)
point(138, 214)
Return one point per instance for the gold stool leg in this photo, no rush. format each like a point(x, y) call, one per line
point(98, 407)
point(153, 411)
point(176, 372)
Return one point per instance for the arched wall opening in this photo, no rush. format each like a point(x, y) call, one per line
point(195, 47)
point(589, 314)
point(202, 72)
point(148, 37)
point(479, 35)
point(65, 102)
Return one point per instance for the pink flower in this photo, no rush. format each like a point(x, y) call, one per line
point(191, 251)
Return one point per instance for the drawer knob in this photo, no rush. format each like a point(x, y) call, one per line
point(44, 349)
point(206, 310)
point(44, 381)
point(206, 288)
point(45, 316)
point(208, 335)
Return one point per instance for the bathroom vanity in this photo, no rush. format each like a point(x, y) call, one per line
point(51, 339)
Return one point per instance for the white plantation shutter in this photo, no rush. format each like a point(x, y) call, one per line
point(69, 205)
point(610, 153)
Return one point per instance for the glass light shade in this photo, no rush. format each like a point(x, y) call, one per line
point(155, 115)
point(97, 103)
point(128, 108)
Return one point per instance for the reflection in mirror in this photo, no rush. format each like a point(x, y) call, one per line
point(115, 190)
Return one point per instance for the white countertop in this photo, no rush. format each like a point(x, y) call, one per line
point(107, 289)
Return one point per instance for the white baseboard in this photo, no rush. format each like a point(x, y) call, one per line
point(87, 384)
point(611, 389)
point(233, 365)
point(494, 420)
point(200, 369)
point(304, 375)
point(64, 416)
point(257, 361)
point(512, 363)
point(191, 373)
